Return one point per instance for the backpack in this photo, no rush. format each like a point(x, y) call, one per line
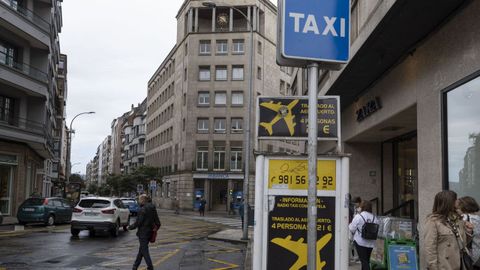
point(369, 229)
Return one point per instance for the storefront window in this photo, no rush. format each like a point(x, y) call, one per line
point(5, 188)
point(463, 138)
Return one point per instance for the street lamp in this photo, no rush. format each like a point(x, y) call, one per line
point(247, 122)
point(69, 145)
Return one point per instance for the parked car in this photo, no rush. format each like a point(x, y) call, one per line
point(100, 214)
point(46, 210)
point(132, 205)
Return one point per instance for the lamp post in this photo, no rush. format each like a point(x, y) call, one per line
point(69, 146)
point(247, 121)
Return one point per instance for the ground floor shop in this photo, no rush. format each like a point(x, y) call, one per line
point(21, 175)
point(416, 130)
point(221, 191)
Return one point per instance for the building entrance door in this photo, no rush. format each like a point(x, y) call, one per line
point(219, 195)
point(405, 184)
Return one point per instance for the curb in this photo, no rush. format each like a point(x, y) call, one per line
point(228, 240)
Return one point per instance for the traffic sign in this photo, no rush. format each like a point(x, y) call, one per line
point(315, 30)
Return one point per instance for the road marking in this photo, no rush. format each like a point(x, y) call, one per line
point(169, 254)
point(230, 265)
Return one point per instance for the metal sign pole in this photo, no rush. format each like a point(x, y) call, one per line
point(312, 166)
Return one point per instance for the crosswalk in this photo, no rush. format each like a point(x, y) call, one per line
point(232, 222)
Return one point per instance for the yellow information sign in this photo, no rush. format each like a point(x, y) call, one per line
point(293, 174)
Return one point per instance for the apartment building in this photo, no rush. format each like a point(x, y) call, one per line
point(196, 100)
point(31, 100)
point(104, 159)
point(133, 138)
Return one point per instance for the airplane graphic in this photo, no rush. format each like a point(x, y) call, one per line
point(299, 248)
point(283, 112)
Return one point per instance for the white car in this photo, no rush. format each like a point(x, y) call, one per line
point(100, 213)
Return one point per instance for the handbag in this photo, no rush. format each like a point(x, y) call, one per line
point(465, 257)
point(153, 236)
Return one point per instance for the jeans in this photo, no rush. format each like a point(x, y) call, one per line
point(364, 255)
point(143, 253)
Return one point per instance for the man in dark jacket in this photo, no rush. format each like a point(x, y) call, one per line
point(146, 219)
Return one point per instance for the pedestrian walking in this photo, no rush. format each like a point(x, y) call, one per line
point(201, 208)
point(363, 245)
point(469, 210)
point(241, 211)
point(147, 221)
point(442, 228)
point(176, 205)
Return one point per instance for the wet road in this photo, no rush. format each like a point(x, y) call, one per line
point(181, 244)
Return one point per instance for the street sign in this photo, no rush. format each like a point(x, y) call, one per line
point(293, 174)
point(153, 185)
point(287, 118)
point(315, 30)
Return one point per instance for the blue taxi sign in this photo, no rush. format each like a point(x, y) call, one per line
point(315, 30)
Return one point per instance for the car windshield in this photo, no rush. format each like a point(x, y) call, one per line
point(94, 203)
point(33, 202)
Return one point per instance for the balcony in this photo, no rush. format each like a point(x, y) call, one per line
point(30, 132)
point(33, 27)
point(23, 75)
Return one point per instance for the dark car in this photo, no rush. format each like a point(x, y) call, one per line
point(132, 205)
point(45, 210)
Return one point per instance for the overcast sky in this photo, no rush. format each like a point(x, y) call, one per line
point(113, 48)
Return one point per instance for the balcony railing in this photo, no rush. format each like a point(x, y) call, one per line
point(25, 125)
point(27, 14)
point(8, 61)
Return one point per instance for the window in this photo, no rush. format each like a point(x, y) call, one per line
point(463, 138)
point(222, 46)
point(204, 47)
point(219, 158)
point(183, 124)
point(202, 158)
point(235, 159)
point(236, 125)
point(7, 109)
point(237, 73)
point(220, 125)
point(259, 47)
point(8, 54)
point(186, 48)
point(259, 73)
point(238, 46)
point(202, 125)
point(221, 73)
point(184, 99)
point(204, 73)
point(185, 74)
point(220, 98)
point(203, 98)
point(237, 98)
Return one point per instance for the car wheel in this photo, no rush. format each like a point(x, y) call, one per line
point(74, 232)
point(50, 220)
point(125, 227)
point(91, 233)
point(114, 232)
